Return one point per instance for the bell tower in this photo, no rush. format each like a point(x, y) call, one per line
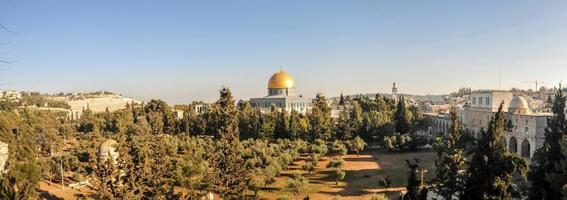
point(394, 91)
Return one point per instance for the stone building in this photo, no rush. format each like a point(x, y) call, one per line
point(282, 95)
point(3, 157)
point(525, 129)
point(438, 123)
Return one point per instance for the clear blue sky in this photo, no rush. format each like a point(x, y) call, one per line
point(186, 50)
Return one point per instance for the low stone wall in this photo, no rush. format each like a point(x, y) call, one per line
point(3, 156)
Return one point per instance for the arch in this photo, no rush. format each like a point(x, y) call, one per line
point(526, 149)
point(513, 145)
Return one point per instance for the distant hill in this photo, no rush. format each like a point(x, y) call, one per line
point(96, 102)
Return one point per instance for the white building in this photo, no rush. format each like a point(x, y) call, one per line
point(282, 95)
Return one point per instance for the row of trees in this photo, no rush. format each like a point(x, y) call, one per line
point(228, 150)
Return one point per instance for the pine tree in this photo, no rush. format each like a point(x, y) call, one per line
point(281, 130)
point(549, 154)
point(414, 190)
point(492, 167)
point(229, 174)
point(298, 126)
point(401, 117)
point(344, 129)
point(356, 117)
point(320, 119)
point(21, 181)
point(451, 159)
point(248, 121)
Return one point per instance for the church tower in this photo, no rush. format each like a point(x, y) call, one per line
point(394, 92)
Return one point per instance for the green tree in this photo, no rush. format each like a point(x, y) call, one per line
point(281, 130)
point(492, 167)
point(356, 118)
point(309, 166)
point(248, 121)
point(297, 184)
point(298, 126)
point(414, 189)
point(229, 176)
point(402, 118)
point(357, 145)
point(108, 180)
point(320, 119)
point(344, 128)
point(451, 159)
point(160, 117)
point(21, 182)
point(337, 165)
point(549, 155)
point(88, 122)
point(338, 148)
point(268, 124)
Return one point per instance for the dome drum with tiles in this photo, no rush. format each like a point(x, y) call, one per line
point(281, 94)
point(281, 84)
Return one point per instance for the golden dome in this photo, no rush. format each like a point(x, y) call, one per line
point(281, 80)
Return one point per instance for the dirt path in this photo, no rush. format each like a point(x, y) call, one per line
point(360, 183)
point(54, 192)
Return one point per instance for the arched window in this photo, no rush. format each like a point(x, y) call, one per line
point(525, 149)
point(513, 145)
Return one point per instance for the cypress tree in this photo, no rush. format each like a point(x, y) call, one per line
point(414, 191)
point(451, 159)
point(229, 173)
point(492, 167)
point(342, 100)
point(549, 154)
point(401, 117)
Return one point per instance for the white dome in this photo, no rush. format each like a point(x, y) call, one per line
point(519, 105)
point(108, 148)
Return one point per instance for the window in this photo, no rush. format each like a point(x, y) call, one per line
point(526, 129)
point(526, 149)
point(474, 100)
point(487, 101)
point(480, 101)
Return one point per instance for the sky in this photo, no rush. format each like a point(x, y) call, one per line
point(181, 51)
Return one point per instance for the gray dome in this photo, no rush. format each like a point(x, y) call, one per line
point(107, 148)
point(519, 105)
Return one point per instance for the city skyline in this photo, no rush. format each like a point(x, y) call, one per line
point(188, 50)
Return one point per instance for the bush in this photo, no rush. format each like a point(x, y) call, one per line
point(297, 184)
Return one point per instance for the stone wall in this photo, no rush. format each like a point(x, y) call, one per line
point(3, 156)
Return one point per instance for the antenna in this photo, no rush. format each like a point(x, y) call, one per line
point(536, 83)
point(500, 81)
